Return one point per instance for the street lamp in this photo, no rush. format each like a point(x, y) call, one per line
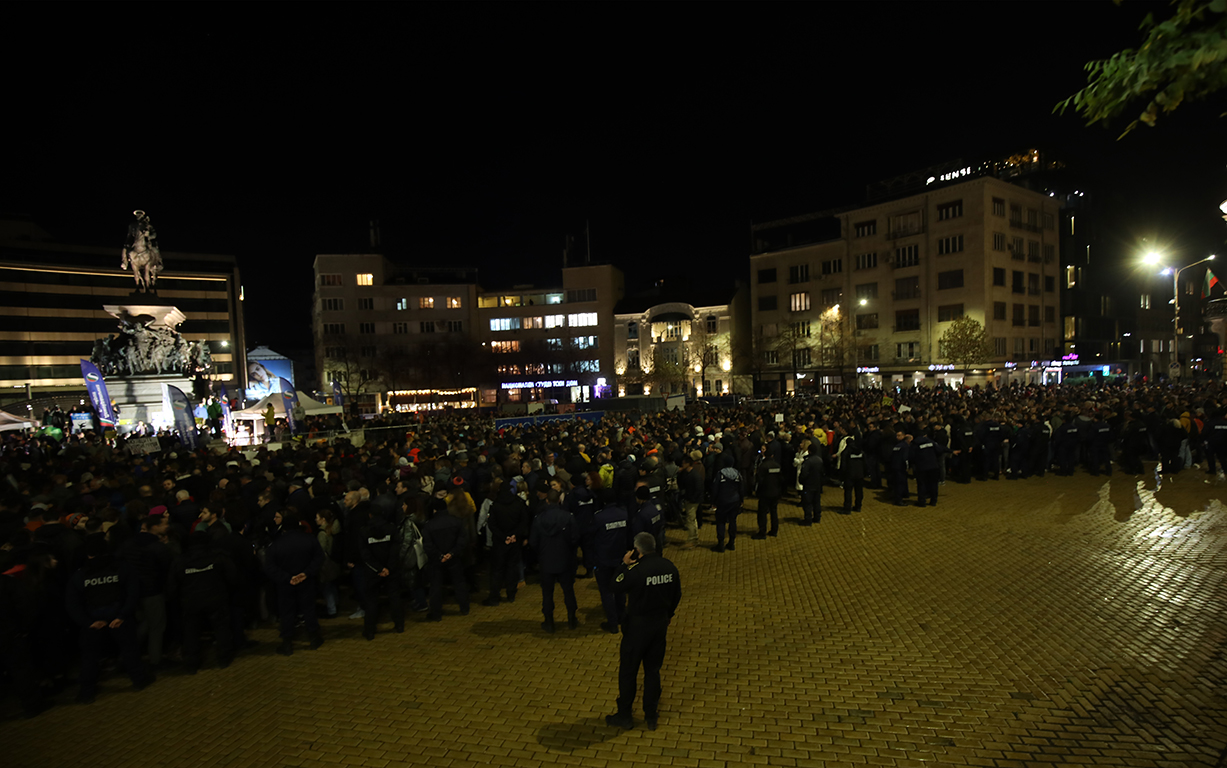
point(1175, 273)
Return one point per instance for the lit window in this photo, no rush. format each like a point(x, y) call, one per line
point(1145, 301)
point(453, 302)
point(426, 302)
point(505, 346)
point(367, 279)
point(799, 302)
point(581, 319)
point(505, 324)
point(555, 321)
point(402, 304)
point(1070, 282)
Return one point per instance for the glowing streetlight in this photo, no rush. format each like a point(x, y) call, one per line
point(1152, 258)
point(864, 302)
point(1175, 273)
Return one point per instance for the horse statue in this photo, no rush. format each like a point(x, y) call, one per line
point(141, 252)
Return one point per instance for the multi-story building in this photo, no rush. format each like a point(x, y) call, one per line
point(52, 297)
point(669, 347)
point(554, 343)
point(872, 289)
point(382, 327)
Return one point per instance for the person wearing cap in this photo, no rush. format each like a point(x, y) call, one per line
point(690, 483)
point(648, 515)
point(102, 598)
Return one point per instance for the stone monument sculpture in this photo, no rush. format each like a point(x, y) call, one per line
point(147, 352)
point(141, 252)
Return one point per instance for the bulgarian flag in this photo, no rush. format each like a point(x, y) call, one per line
point(1211, 281)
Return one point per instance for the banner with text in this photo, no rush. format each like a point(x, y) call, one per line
point(289, 399)
point(98, 393)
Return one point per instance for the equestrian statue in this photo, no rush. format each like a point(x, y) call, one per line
point(141, 253)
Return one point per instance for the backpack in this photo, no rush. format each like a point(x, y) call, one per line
point(412, 549)
point(728, 487)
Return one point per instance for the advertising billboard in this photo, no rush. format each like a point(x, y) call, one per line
point(263, 377)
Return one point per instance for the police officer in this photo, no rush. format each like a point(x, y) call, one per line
point(649, 517)
point(203, 578)
point(293, 563)
point(1068, 437)
point(582, 505)
point(102, 598)
point(1100, 446)
point(962, 444)
point(610, 538)
point(898, 467)
point(852, 462)
point(379, 548)
point(809, 476)
point(924, 456)
point(770, 489)
point(1216, 442)
point(653, 588)
point(553, 538)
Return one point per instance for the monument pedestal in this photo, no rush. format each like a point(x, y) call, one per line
point(140, 398)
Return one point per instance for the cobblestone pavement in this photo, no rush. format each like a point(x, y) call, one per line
point(1040, 622)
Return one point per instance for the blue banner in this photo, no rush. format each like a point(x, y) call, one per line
point(289, 399)
point(337, 397)
point(185, 422)
point(98, 394)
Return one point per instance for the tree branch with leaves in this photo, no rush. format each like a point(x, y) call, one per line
point(1183, 58)
point(966, 343)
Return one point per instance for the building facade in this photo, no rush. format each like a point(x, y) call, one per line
point(52, 297)
point(555, 343)
point(669, 347)
point(419, 335)
point(864, 295)
point(380, 327)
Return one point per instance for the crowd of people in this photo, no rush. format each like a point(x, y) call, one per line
point(126, 560)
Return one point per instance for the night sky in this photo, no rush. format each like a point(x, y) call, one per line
point(483, 135)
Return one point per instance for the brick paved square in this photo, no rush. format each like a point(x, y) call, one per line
point(1057, 621)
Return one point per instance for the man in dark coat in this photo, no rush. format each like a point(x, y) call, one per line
point(553, 538)
point(508, 525)
point(446, 542)
point(293, 563)
point(770, 489)
point(379, 548)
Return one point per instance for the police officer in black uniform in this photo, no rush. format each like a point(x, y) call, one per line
point(653, 588)
point(852, 462)
point(611, 537)
point(770, 489)
point(379, 548)
point(203, 578)
point(649, 516)
point(101, 600)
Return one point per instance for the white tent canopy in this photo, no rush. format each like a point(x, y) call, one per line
point(9, 421)
point(311, 406)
